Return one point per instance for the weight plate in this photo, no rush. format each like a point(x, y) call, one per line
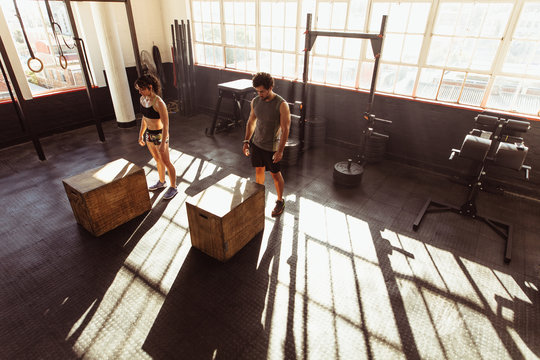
point(348, 173)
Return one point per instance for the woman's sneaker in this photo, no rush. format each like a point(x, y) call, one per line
point(280, 205)
point(158, 185)
point(171, 192)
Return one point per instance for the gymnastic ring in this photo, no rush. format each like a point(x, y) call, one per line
point(63, 64)
point(40, 64)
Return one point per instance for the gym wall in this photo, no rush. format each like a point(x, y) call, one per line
point(422, 133)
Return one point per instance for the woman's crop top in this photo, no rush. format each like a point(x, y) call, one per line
point(149, 112)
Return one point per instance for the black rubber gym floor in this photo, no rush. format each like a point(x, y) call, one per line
point(340, 275)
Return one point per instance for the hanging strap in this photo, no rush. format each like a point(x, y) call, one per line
point(61, 58)
point(32, 56)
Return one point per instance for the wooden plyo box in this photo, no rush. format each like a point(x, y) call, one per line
point(108, 196)
point(226, 216)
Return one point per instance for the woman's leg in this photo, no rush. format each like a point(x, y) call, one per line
point(159, 161)
point(166, 162)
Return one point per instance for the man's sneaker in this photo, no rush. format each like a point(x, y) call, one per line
point(171, 192)
point(158, 185)
point(280, 206)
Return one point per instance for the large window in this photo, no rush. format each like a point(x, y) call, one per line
point(476, 53)
point(61, 66)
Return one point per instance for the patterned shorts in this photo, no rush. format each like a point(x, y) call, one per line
point(155, 137)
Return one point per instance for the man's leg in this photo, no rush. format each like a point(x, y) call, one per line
point(259, 175)
point(279, 183)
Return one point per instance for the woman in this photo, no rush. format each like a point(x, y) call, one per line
point(154, 131)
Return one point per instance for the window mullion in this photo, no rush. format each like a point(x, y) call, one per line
point(500, 56)
point(426, 43)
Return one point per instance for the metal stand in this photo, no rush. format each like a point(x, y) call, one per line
point(498, 145)
point(236, 90)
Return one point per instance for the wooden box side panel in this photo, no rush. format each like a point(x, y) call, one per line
point(118, 202)
point(78, 205)
point(206, 232)
point(242, 224)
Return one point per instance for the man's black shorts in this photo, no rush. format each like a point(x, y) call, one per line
point(261, 157)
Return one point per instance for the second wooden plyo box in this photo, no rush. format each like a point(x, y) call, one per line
point(224, 217)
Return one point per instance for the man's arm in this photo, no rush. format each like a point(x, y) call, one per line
point(250, 128)
point(285, 125)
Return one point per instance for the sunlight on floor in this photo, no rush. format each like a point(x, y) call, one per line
point(340, 288)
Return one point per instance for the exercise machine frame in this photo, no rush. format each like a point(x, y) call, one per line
point(468, 208)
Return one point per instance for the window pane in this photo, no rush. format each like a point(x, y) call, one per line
point(377, 12)
point(200, 54)
point(289, 61)
point(528, 98)
point(446, 19)
point(196, 9)
point(528, 26)
point(229, 34)
point(451, 86)
point(251, 36)
point(241, 59)
point(278, 14)
point(352, 48)
point(251, 60)
point(418, 17)
point(438, 51)
point(228, 10)
point(198, 32)
point(460, 52)
point(411, 48)
point(229, 57)
point(474, 89)
point(392, 47)
point(348, 75)
point(470, 19)
point(250, 13)
point(290, 37)
point(216, 16)
point(366, 74)
point(266, 13)
point(277, 38)
point(484, 54)
point(335, 47)
point(290, 14)
point(240, 35)
point(266, 37)
point(386, 78)
point(216, 30)
point(239, 13)
point(317, 73)
point(277, 64)
point(428, 83)
point(218, 56)
point(264, 60)
point(496, 19)
point(357, 14)
point(339, 14)
point(516, 59)
point(405, 80)
point(321, 46)
point(503, 93)
point(399, 13)
point(323, 15)
point(333, 70)
point(4, 92)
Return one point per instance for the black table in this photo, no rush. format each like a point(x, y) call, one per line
point(237, 91)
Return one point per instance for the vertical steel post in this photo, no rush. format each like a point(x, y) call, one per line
point(307, 48)
point(377, 48)
point(133, 34)
point(20, 101)
point(84, 67)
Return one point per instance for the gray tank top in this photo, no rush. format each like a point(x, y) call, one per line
point(267, 130)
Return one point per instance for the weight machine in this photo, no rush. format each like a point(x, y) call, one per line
point(495, 141)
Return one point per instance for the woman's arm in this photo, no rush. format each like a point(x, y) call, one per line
point(141, 132)
point(164, 117)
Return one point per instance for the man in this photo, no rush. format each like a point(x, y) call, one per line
point(267, 130)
